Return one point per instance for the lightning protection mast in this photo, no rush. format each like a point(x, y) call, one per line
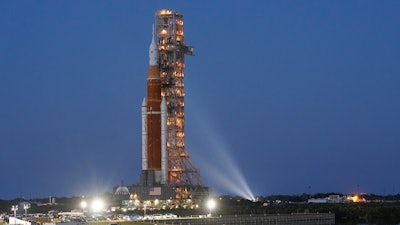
point(172, 50)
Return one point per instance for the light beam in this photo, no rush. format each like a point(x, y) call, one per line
point(224, 171)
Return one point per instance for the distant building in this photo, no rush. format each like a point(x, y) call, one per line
point(330, 199)
point(121, 191)
point(318, 200)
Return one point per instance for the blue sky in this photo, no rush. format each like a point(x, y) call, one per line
point(302, 95)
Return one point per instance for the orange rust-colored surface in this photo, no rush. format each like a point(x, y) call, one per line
point(154, 119)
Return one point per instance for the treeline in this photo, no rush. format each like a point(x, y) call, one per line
point(304, 197)
point(384, 211)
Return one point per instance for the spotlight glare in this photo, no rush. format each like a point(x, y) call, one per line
point(211, 205)
point(97, 205)
point(83, 204)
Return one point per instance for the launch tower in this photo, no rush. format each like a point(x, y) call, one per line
point(172, 51)
point(167, 170)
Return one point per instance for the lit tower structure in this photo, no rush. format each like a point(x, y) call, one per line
point(167, 170)
point(172, 50)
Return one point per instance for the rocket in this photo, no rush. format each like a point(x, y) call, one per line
point(154, 121)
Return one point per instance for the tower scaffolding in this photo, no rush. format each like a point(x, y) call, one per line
point(172, 50)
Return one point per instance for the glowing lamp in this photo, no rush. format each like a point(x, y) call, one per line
point(97, 205)
point(83, 205)
point(211, 205)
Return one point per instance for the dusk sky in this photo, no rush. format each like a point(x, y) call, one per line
point(297, 96)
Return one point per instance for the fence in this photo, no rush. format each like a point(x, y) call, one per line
point(267, 219)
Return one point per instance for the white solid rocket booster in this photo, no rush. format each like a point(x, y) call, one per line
point(164, 155)
point(144, 134)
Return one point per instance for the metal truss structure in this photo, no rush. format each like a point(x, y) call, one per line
point(172, 51)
